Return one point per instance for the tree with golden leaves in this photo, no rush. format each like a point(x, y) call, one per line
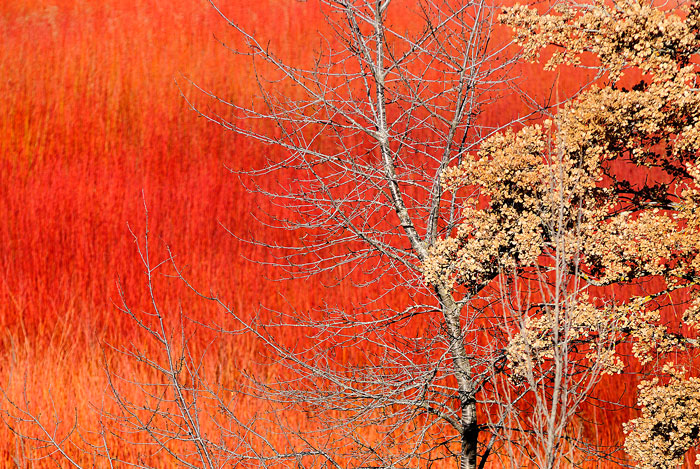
point(591, 224)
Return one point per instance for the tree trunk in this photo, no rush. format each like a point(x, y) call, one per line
point(470, 432)
point(465, 386)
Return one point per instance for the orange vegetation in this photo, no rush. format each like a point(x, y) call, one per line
point(92, 125)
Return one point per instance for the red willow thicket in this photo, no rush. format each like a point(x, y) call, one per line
point(92, 125)
point(91, 120)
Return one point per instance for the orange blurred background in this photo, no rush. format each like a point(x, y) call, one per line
point(92, 126)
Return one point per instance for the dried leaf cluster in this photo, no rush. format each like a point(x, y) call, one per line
point(670, 421)
point(605, 193)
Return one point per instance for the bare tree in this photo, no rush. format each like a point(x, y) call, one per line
point(361, 139)
point(383, 111)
